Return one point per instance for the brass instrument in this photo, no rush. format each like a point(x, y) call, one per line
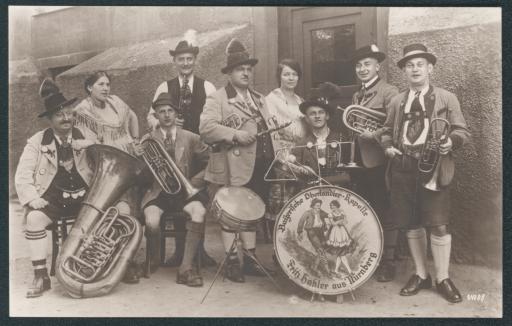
point(359, 118)
point(102, 242)
point(165, 170)
point(430, 161)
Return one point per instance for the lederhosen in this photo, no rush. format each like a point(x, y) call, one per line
point(67, 190)
point(411, 204)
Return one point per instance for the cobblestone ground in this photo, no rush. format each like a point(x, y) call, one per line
point(160, 296)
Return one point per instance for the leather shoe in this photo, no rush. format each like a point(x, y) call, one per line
point(448, 290)
point(131, 276)
point(39, 285)
point(233, 272)
point(189, 278)
point(415, 284)
point(385, 272)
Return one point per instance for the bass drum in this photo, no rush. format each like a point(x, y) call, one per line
point(328, 240)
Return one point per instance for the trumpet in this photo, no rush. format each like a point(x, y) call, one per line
point(430, 161)
point(164, 169)
point(359, 118)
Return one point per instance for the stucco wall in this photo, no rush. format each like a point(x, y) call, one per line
point(469, 65)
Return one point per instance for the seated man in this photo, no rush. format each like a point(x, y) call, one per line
point(319, 151)
point(184, 147)
point(51, 179)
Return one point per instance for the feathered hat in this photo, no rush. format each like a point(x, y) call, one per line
point(187, 45)
point(52, 98)
point(237, 55)
point(368, 51)
point(316, 98)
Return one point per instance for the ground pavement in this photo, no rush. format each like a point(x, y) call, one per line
point(160, 296)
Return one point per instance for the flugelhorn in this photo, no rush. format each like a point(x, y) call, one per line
point(359, 118)
point(164, 169)
point(102, 242)
point(437, 169)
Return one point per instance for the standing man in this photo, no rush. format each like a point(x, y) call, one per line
point(375, 94)
point(52, 178)
point(184, 147)
point(414, 207)
point(190, 92)
point(238, 157)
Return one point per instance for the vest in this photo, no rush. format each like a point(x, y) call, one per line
point(192, 114)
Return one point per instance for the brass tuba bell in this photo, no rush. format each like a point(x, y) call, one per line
point(101, 243)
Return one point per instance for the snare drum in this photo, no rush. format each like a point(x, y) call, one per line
point(310, 240)
point(238, 208)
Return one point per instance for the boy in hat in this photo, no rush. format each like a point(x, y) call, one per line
point(184, 147)
point(190, 92)
point(414, 207)
point(319, 149)
point(52, 178)
point(238, 157)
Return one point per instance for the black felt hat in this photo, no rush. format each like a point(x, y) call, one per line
point(187, 45)
point(368, 51)
point(165, 99)
point(52, 98)
point(416, 50)
point(237, 55)
point(316, 98)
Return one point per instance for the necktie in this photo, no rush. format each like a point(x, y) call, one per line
point(169, 145)
point(416, 123)
point(185, 95)
point(65, 154)
point(362, 93)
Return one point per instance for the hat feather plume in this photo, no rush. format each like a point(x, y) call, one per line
point(47, 88)
point(191, 37)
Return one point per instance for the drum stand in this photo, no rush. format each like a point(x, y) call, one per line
point(237, 246)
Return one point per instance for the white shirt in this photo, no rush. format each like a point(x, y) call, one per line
point(368, 83)
point(423, 136)
point(173, 133)
point(60, 141)
point(162, 88)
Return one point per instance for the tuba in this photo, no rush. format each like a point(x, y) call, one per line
point(165, 170)
point(438, 169)
point(102, 242)
point(359, 118)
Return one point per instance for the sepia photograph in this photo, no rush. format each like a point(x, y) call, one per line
point(237, 161)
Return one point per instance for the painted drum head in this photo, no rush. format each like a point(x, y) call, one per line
point(328, 240)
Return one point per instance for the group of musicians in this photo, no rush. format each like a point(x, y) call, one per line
point(187, 115)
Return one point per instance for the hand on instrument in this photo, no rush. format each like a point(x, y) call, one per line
point(244, 138)
point(445, 147)
point(391, 152)
point(300, 236)
point(179, 122)
point(366, 135)
point(137, 147)
point(38, 203)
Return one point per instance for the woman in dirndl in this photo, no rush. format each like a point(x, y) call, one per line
point(108, 120)
point(339, 242)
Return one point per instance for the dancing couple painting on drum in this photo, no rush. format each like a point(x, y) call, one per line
point(328, 239)
point(327, 233)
